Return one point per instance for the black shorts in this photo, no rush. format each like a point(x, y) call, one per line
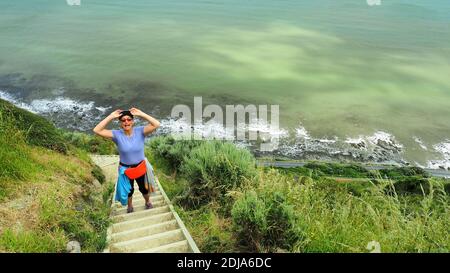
point(140, 181)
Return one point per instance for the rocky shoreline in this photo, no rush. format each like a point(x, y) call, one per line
point(380, 147)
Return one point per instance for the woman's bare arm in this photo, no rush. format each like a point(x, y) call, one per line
point(153, 123)
point(100, 128)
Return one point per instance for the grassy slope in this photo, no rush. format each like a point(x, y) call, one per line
point(47, 191)
point(329, 216)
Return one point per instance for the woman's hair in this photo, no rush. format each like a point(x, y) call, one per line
point(125, 113)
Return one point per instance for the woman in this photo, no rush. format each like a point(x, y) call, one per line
point(130, 143)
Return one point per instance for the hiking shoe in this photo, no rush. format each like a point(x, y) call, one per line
point(130, 210)
point(148, 206)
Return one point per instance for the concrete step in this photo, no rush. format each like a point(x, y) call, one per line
point(146, 221)
point(148, 242)
point(137, 207)
point(144, 231)
point(140, 214)
point(141, 201)
point(153, 197)
point(177, 247)
point(138, 193)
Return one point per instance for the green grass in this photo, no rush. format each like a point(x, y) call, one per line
point(32, 241)
point(35, 129)
point(64, 204)
point(332, 220)
point(83, 222)
point(211, 231)
point(98, 174)
point(15, 158)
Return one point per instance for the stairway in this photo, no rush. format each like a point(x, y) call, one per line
point(155, 230)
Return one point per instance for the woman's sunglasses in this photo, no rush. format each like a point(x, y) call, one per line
point(126, 119)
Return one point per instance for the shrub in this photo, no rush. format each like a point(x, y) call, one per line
point(249, 216)
point(214, 168)
point(399, 172)
point(172, 151)
point(265, 222)
point(335, 169)
point(412, 185)
point(89, 143)
point(447, 188)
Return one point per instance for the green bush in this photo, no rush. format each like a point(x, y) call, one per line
point(447, 187)
point(412, 185)
point(172, 151)
point(37, 130)
point(336, 169)
point(215, 168)
point(399, 172)
point(89, 143)
point(249, 216)
point(282, 232)
point(265, 222)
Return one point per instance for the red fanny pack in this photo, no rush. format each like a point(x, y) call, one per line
point(137, 171)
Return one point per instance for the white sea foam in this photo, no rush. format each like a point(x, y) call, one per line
point(386, 137)
point(438, 164)
point(358, 140)
point(60, 104)
point(302, 133)
point(444, 149)
point(325, 140)
point(375, 139)
point(12, 99)
point(265, 130)
point(102, 109)
point(420, 142)
point(213, 129)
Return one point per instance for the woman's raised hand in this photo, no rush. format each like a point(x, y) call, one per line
point(115, 114)
point(136, 112)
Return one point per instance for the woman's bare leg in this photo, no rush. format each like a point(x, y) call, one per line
point(130, 204)
point(147, 200)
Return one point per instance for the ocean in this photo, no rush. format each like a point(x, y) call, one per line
point(352, 80)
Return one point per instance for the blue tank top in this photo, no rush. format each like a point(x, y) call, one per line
point(131, 148)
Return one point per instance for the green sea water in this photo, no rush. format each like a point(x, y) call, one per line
point(338, 68)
